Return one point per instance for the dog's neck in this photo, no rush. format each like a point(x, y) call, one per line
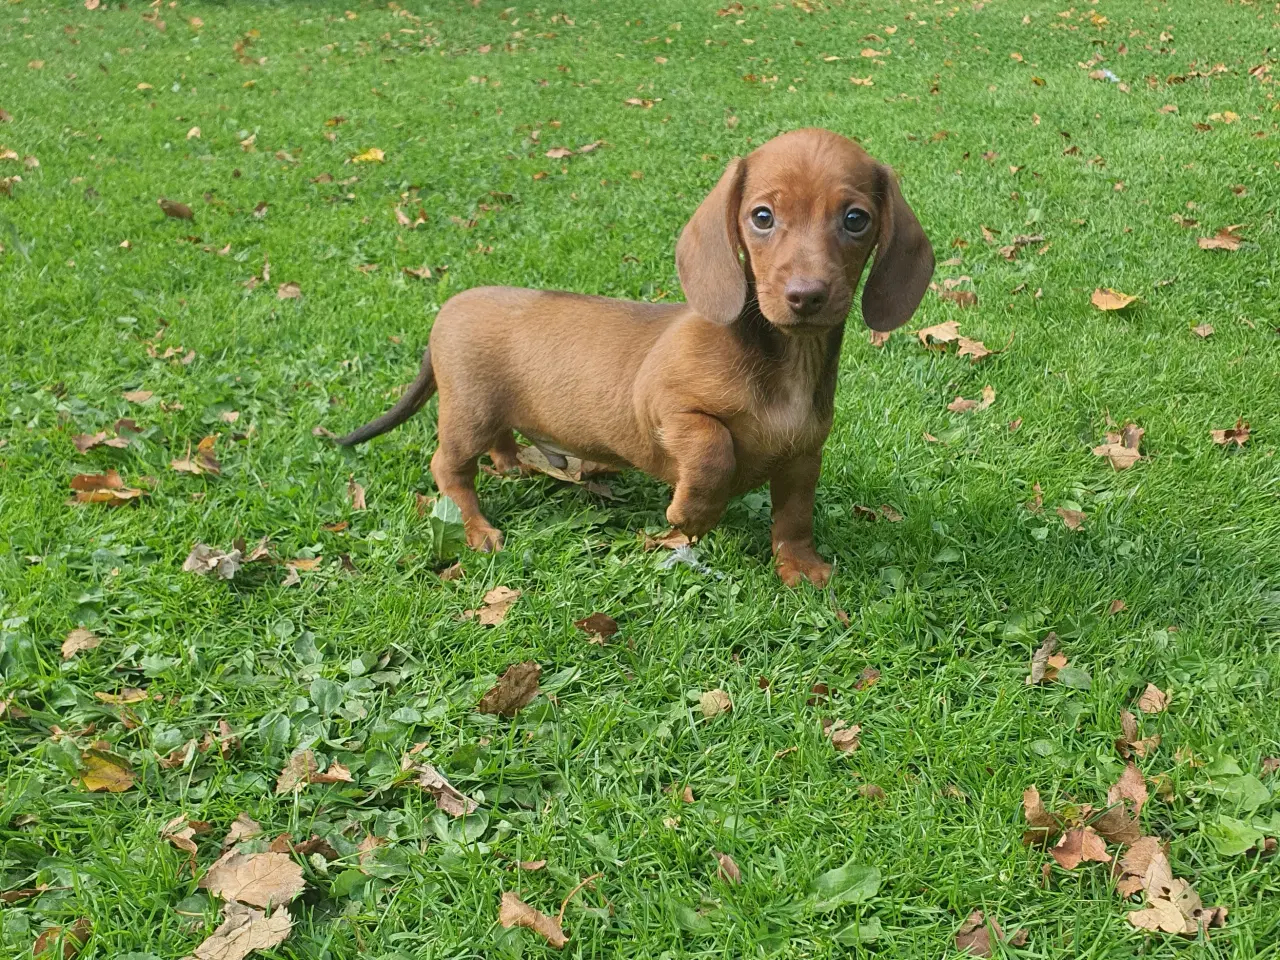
point(790, 358)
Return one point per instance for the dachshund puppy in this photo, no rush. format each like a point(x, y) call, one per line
point(715, 396)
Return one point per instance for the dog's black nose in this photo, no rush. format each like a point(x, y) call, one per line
point(806, 297)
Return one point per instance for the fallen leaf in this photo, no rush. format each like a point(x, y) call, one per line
point(422, 273)
point(452, 572)
point(208, 561)
point(961, 405)
point(514, 690)
point(447, 798)
point(204, 461)
point(288, 291)
point(1104, 298)
point(977, 932)
point(172, 208)
point(600, 626)
point(242, 931)
point(870, 791)
point(244, 827)
point(673, 539)
point(1153, 700)
point(1203, 330)
point(84, 442)
point(973, 348)
point(869, 678)
point(105, 488)
point(714, 703)
point(496, 604)
point(105, 772)
point(1078, 846)
point(181, 832)
point(1224, 239)
point(72, 939)
point(1239, 434)
point(1121, 449)
point(963, 298)
point(728, 870)
point(1046, 662)
point(125, 696)
point(1270, 765)
point(193, 133)
point(531, 866)
point(1129, 743)
point(355, 493)
point(1044, 824)
point(137, 396)
point(942, 332)
point(559, 153)
point(514, 912)
point(77, 641)
point(258, 879)
point(846, 739)
point(372, 155)
point(1072, 519)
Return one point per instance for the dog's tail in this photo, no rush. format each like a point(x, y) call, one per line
point(411, 402)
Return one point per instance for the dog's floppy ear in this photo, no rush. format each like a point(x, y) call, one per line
point(713, 278)
point(903, 265)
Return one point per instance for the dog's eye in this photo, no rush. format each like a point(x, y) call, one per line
point(857, 221)
point(762, 218)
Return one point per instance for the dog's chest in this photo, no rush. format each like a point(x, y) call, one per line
point(787, 418)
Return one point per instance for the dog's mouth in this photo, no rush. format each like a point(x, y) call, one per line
point(790, 321)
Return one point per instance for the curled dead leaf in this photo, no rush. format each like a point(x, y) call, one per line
point(105, 488)
point(244, 827)
point(172, 208)
point(977, 933)
point(1121, 449)
point(244, 930)
point(496, 604)
point(600, 626)
point(1078, 846)
point(1153, 700)
point(104, 772)
point(1239, 434)
point(514, 690)
point(845, 739)
point(71, 939)
point(77, 641)
point(714, 703)
point(355, 493)
point(1072, 519)
point(448, 799)
point(514, 912)
point(941, 333)
point(728, 870)
point(673, 539)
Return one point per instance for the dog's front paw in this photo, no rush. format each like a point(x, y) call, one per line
point(482, 537)
point(691, 518)
point(795, 564)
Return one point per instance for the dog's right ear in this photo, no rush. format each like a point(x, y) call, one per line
point(714, 281)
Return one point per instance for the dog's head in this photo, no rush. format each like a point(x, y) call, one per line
point(797, 219)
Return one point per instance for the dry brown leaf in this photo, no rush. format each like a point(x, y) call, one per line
point(259, 879)
point(1044, 825)
point(1045, 662)
point(422, 273)
point(962, 298)
point(105, 488)
point(1224, 239)
point(1238, 434)
point(1129, 743)
point(977, 932)
point(242, 931)
point(207, 561)
point(298, 771)
point(961, 405)
point(496, 604)
point(288, 291)
point(84, 442)
point(599, 625)
point(845, 739)
point(869, 678)
point(1122, 448)
point(941, 333)
point(447, 798)
point(125, 696)
point(514, 912)
point(355, 493)
point(1153, 700)
point(105, 773)
point(244, 827)
point(182, 832)
point(728, 870)
point(531, 866)
point(1079, 845)
point(673, 539)
point(77, 641)
point(513, 691)
point(1071, 519)
point(559, 153)
point(204, 460)
point(871, 791)
point(1203, 330)
point(172, 208)
point(714, 703)
point(72, 940)
point(975, 349)
point(1104, 298)
point(1270, 765)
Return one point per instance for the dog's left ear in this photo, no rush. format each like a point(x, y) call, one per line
point(713, 278)
point(904, 262)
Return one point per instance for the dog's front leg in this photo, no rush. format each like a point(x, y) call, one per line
point(702, 448)
point(792, 488)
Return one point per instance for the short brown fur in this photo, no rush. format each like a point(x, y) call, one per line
point(716, 396)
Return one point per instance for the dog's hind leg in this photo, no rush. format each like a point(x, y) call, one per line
point(504, 453)
point(463, 437)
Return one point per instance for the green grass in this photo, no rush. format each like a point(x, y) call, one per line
point(948, 604)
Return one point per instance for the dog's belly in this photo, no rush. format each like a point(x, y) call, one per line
point(556, 451)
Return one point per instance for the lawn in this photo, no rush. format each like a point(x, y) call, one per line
point(1048, 149)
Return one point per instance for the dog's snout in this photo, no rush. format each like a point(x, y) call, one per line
point(806, 296)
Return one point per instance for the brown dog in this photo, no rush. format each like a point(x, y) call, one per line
point(715, 396)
